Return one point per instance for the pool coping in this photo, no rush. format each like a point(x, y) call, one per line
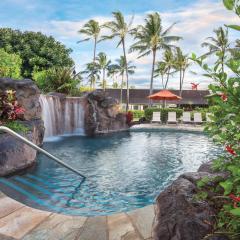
point(21, 222)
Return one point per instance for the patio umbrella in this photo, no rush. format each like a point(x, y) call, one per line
point(164, 95)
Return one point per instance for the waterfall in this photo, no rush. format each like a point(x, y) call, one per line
point(62, 115)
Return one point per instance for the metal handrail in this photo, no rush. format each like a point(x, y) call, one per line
point(11, 132)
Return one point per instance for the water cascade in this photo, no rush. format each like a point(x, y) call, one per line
point(62, 115)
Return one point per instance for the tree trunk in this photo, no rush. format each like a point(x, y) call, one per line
point(103, 81)
point(94, 51)
point(183, 76)
point(152, 75)
point(168, 73)
point(126, 67)
point(121, 97)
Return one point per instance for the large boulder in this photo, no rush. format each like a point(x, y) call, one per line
point(27, 94)
point(14, 154)
point(102, 114)
point(180, 215)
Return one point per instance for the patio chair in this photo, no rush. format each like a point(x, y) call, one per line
point(156, 117)
point(186, 118)
point(208, 117)
point(172, 117)
point(197, 118)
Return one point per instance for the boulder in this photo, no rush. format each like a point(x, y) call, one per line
point(102, 114)
point(27, 94)
point(179, 214)
point(15, 155)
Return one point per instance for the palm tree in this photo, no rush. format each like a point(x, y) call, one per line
point(93, 73)
point(218, 45)
point(161, 71)
point(120, 29)
point(112, 73)
point(103, 64)
point(151, 38)
point(121, 63)
point(181, 64)
point(169, 61)
point(92, 30)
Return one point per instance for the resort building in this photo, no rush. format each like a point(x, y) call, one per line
point(138, 98)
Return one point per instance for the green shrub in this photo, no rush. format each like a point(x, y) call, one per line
point(16, 126)
point(137, 114)
point(164, 113)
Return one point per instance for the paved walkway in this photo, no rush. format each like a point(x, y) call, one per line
point(18, 221)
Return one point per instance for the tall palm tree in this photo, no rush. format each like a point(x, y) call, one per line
point(112, 73)
point(93, 73)
point(120, 29)
point(218, 45)
point(103, 64)
point(181, 65)
point(151, 38)
point(91, 30)
point(121, 63)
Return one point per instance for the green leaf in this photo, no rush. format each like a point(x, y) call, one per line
point(229, 4)
point(235, 212)
point(228, 186)
point(235, 27)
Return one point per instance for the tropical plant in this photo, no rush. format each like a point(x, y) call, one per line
point(103, 64)
point(120, 29)
point(150, 38)
point(10, 65)
point(63, 80)
point(181, 65)
point(161, 71)
point(169, 62)
point(218, 46)
point(37, 51)
point(121, 63)
point(113, 73)
point(91, 30)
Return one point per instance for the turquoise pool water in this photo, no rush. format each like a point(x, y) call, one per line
point(124, 171)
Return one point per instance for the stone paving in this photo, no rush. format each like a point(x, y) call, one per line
point(20, 222)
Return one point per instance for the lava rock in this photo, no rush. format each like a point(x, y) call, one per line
point(27, 94)
point(14, 154)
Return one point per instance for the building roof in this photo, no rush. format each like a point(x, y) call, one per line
point(139, 96)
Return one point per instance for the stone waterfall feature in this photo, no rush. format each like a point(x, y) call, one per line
point(62, 115)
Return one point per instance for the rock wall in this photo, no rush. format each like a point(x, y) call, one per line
point(102, 114)
point(179, 215)
point(15, 155)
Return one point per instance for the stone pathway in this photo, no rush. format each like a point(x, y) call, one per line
point(19, 222)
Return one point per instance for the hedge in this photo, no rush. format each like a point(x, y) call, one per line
point(137, 114)
point(164, 113)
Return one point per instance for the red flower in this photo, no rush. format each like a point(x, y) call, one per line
point(224, 97)
point(19, 110)
point(230, 150)
point(235, 199)
point(129, 117)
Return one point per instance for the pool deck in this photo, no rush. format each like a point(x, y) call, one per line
point(20, 222)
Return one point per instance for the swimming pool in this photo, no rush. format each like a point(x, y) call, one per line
point(125, 171)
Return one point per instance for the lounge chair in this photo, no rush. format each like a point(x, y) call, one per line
point(208, 117)
point(156, 117)
point(186, 118)
point(172, 117)
point(197, 118)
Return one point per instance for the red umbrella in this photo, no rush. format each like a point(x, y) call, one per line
point(164, 95)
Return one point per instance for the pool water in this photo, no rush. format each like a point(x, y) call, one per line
point(124, 171)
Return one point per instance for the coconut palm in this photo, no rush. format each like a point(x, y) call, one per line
point(181, 65)
point(120, 29)
point(151, 38)
point(93, 73)
point(112, 73)
point(121, 63)
point(103, 64)
point(92, 30)
point(161, 71)
point(169, 61)
point(218, 45)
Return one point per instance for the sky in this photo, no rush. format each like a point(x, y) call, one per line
point(62, 19)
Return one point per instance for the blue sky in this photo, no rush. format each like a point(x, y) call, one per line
point(63, 18)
